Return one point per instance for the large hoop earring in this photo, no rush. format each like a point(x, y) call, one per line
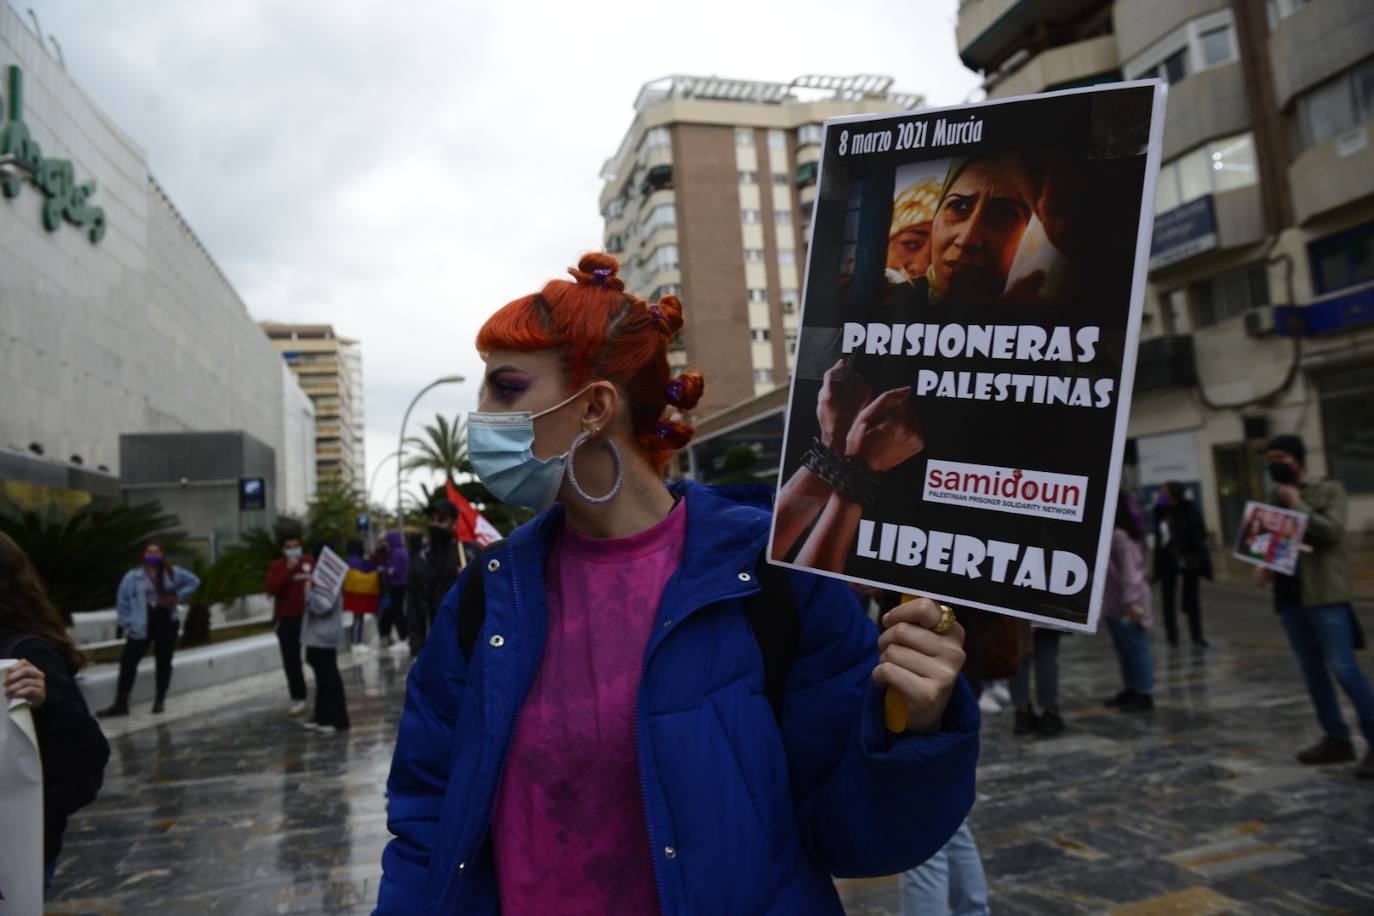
point(581, 439)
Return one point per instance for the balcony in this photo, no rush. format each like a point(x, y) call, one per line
point(1318, 41)
point(1070, 64)
point(1214, 222)
point(1333, 174)
point(989, 30)
point(1165, 362)
point(1209, 103)
point(1141, 23)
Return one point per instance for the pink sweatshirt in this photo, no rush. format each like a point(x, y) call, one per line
point(1127, 584)
point(569, 824)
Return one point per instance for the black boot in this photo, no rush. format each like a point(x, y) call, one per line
point(1121, 697)
point(1026, 722)
point(1327, 750)
point(158, 704)
point(1140, 702)
point(120, 707)
point(1051, 725)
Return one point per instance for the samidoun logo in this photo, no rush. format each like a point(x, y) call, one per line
point(1017, 490)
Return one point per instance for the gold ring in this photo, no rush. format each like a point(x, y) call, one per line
point(946, 622)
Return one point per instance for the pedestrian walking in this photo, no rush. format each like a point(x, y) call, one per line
point(147, 604)
point(322, 632)
point(1126, 609)
point(288, 578)
point(362, 592)
point(1314, 606)
point(623, 707)
point(1181, 556)
point(1044, 658)
point(432, 573)
point(71, 747)
point(396, 574)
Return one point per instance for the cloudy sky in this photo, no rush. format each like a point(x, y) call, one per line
point(401, 170)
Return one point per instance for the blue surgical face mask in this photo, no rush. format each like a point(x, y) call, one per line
point(292, 553)
point(500, 449)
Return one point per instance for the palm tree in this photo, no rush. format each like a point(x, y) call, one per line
point(442, 448)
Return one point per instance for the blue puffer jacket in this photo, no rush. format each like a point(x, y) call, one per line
point(746, 815)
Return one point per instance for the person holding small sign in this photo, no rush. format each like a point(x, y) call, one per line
point(1314, 605)
point(623, 707)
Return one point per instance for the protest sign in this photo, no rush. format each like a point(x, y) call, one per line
point(21, 810)
point(1270, 537)
point(329, 573)
point(971, 313)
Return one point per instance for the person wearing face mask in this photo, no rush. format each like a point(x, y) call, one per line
point(287, 581)
point(147, 604)
point(432, 573)
point(590, 728)
point(1314, 605)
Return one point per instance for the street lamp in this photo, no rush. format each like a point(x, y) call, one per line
point(400, 446)
point(375, 471)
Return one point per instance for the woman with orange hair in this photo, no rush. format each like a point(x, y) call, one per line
point(591, 727)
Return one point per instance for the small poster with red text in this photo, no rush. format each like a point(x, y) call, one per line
point(971, 315)
point(1271, 537)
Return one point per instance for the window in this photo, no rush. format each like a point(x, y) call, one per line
point(790, 300)
point(763, 376)
point(758, 335)
point(779, 178)
point(753, 255)
point(1282, 9)
point(662, 215)
point(615, 244)
point(615, 209)
point(667, 289)
point(791, 336)
point(1343, 260)
point(1220, 165)
point(1231, 294)
point(809, 134)
point(1347, 406)
point(758, 295)
point(783, 217)
point(744, 136)
point(786, 256)
point(1334, 107)
point(654, 138)
point(777, 139)
point(1208, 41)
point(749, 216)
point(1217, 45)
point(664, 257)
point(748, 177)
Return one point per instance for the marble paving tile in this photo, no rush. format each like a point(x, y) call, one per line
point(224, 805)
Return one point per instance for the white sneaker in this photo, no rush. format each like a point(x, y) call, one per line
point(296, 708)
point(988, 704)
point(1000, 692)
point(326, 729)
point(358, 649)
point(399, 648)
point(310, 726)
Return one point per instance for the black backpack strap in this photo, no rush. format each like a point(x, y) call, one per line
point(772, 615)
point(472, 603)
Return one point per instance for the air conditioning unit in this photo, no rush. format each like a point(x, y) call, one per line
point(1259, 322)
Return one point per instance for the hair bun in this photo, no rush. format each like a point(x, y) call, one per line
point(598, 269)
point(685, 391)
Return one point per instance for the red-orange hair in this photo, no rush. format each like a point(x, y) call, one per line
point(599, 331)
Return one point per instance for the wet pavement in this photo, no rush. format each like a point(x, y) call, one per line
point(226, 805)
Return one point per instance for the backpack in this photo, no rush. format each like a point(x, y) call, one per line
point(771, 613)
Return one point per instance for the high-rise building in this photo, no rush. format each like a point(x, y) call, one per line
point(324, 364)
point(709, 197)
point(1259, 313)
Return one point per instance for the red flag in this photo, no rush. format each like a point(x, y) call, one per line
point(471, 524)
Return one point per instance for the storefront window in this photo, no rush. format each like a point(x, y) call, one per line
point(1347, 407)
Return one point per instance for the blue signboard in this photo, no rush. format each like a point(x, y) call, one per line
point(1183, 232)
point(1340, 313)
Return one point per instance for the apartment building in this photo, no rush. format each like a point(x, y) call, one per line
point(329, 369)
point(709, 197)
point(1259, 314)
